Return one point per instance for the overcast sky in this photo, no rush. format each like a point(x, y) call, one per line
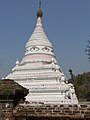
point(66, 23)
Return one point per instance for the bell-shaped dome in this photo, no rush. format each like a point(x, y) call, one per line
point(38, 37)
point(38, 41)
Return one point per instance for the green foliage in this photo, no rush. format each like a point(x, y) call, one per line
point(10, 90)
point(80, 80)
point(7, 91)
point(82, 86)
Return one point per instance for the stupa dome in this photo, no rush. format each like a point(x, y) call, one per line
point(39, 71)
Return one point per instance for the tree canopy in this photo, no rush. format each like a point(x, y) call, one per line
point(81, 83)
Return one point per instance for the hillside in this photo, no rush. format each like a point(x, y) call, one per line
point(82, 86)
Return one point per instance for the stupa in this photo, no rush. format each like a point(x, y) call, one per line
point(39, 71)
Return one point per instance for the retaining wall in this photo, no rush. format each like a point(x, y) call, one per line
point(55, 112)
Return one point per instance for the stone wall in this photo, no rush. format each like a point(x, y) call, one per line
point(53, 112)
point(6, 110)
point(25, 111)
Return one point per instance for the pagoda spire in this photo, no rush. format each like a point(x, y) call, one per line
point(39, 72)
point(39, 12)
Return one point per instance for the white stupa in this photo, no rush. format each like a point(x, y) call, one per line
point(39, 71)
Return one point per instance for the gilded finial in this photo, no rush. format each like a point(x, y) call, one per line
point(39, 12)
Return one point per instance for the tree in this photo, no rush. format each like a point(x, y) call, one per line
point(87, 50)
point(81, 83)
point(71, 74)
